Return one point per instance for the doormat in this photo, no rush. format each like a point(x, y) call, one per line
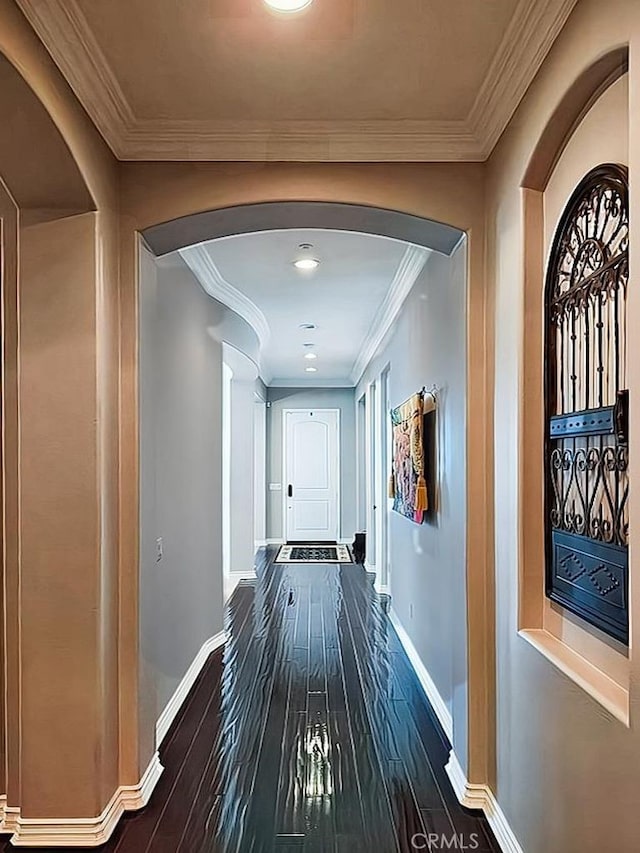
point(316, 553)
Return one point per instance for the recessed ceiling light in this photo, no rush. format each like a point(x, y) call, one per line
point(308, 327)
point(311, 369)
point(310, 356)
point(306, 262)
point(288, 5)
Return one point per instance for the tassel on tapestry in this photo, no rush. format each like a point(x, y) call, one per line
point(408, 482)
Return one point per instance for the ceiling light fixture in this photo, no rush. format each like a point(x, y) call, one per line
point(288, 5)
point(305, 261)
point(311, 369)
point(310, 356)
point(308, 327)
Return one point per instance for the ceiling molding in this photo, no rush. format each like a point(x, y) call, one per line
point(64, 30)
point(533, 28)
point(311, 383)
point(409, 268)
point(308, 141)
point(202, 266)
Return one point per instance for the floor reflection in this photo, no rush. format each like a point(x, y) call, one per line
point(318, 748)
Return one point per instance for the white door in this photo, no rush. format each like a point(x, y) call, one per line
point(312, 475)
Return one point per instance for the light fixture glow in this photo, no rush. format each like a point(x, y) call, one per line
point(288, 5)
point(306, 264)
point(310, 356)
point(306, 260)
point(311, 369)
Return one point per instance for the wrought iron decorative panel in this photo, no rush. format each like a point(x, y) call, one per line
point(587, 457)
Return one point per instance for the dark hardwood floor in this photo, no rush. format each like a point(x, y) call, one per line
point(309, 732)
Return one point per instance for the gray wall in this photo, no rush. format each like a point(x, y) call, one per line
point(427, 346)
point(319, 398)
point(181, 597)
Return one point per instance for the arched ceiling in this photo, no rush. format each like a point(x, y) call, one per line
point(35, 162)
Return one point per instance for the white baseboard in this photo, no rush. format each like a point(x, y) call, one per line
point(260, 543)
point(232, 580)
point(475, 796)
point(275, 542)
point(182, 691)
point(345, 541)
point(427, 683)
point(83, 832)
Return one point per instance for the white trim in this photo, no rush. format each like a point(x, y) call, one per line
point(234, 579)
point(426, 682)
point(201, 264)
point(85, 832)
point(182, 691)
point(261, 543)
point(409, 268)
point(474, 796)
point(345, 541)
point(310, 383)
point(275, 541)
point(67, 35)
point(10, 820)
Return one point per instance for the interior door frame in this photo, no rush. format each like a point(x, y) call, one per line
point(297, 410)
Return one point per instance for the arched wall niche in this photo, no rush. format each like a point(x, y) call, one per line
point(574, 105)
point(599, 664)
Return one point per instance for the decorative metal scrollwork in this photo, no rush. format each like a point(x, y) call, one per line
point(586, 400)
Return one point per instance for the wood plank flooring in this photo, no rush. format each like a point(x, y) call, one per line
point(309, 732)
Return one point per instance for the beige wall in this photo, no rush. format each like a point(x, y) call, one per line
point(559, 755)
point(62, 579)
point(567, 771)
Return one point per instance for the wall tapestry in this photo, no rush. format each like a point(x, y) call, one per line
point(408, 484)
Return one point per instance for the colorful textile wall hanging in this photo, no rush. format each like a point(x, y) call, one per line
point(408, 484)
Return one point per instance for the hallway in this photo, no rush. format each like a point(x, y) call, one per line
point(308, 732)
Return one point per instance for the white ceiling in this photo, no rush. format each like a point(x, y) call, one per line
point(254, 274)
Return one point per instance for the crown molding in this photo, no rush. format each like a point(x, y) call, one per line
point(409, 268)
point(83, 832)
point(65, 32)
point(533, 28)
point(310, 383)
point(307, 141)
point(212, 281)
